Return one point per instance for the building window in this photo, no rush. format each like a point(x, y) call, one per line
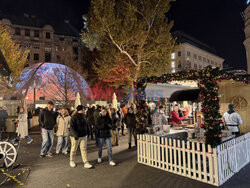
point(17, 31)
point(36, 57)
point(74, 40)
point(58, 58)
point(36, 33)
point(61, 39)
point(200, 66)
point(199, 58)
point(204, 59)
point(195, 56)
point(27, 45)
point(36, 46)
point(27, 32)
point(212, 62)
point(179, 65)
point(75, 50)
point(188, 53)
point(179, 54)
point(47, 57)
point(195, 66)
point(208, 60)
point(47, 35)
point(47, 49)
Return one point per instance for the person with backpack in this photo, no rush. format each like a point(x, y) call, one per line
point(62, 133)
point(232, 120)
point(79, 132)
point(104, 127)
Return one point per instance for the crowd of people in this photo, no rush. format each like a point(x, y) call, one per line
point(104, 124)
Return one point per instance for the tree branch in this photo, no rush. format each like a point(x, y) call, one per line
point(121, 50)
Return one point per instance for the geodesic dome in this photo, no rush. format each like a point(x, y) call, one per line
point(51, 81)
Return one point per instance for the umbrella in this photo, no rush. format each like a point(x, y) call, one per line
point(186, 95)
point(114, 102)
point(78, 100)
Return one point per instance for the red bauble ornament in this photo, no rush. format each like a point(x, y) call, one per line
point(215, 135)
point(202, 126)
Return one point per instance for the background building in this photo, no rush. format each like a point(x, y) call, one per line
point(47, 42)
point(193, 54)
point(246, 17)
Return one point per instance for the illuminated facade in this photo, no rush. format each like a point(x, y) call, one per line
point(46, 42)
point(193, 54)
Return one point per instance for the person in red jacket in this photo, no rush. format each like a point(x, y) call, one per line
point(175, 119)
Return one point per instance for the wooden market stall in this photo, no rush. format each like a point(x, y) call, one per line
point(212, 160)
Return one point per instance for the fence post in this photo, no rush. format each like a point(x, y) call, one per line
point(216, 165)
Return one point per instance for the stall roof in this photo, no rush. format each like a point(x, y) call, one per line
point(163, 90)
point(186, 95)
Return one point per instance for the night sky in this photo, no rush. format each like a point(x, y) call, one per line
point(218, 23)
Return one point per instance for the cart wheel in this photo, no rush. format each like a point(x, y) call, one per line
point(8, 153)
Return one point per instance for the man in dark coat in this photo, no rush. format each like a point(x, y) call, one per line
point(130, 121)
point(79, 132)
point(47, 121)
point(3, 117)
point(104, 127)
point(91, 120)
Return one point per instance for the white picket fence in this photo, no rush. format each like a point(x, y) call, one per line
point(193, 159)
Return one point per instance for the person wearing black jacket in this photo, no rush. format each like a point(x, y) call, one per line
point(91, 120)
point(104, 127)
point(30, 116)
point(47, 121)
point(130, 121)
point(79, 132)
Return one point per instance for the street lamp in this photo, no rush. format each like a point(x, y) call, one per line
point(34, 87)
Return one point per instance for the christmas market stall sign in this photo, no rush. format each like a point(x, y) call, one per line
point(207, 79)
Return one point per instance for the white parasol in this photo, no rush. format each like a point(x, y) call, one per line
point(114, 102)
point(78, 100)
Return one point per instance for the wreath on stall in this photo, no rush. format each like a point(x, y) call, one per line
point(207, 79)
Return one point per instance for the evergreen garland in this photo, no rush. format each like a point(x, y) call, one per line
point(207, 82)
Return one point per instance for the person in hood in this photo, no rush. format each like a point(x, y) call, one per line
point(63, 126)
point(79, 132)
point(47, 122)
point(232, 120)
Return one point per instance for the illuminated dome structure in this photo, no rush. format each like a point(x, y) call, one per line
point(51, 81)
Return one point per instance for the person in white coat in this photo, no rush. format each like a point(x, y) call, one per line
point(232, 120)
point(22, 128)
point(63, 126)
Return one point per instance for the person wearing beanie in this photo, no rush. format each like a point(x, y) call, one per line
point(79, 132)
point(232, 120)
